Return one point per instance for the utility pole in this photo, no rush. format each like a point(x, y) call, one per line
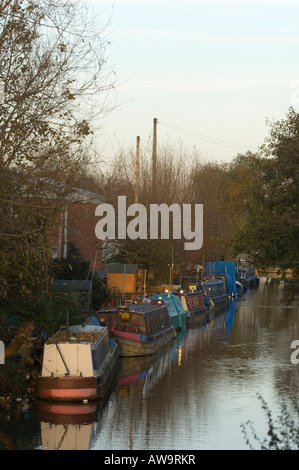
point(154, 175)
point(137, 170)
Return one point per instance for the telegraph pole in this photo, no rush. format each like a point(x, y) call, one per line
point(137, 170)
point(154, 175)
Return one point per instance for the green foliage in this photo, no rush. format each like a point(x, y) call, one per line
point(101, 294)
point(73, 266)
point(16, 379)
point(269, 225)
point(51, 56)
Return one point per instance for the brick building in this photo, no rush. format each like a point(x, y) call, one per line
point(77, 225)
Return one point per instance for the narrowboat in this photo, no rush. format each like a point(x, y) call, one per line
point(225, 270)
point(177, 314)
point(194, 305)
point(215, 294)
point(79, 363)
point(140, 329)
point(247, 276)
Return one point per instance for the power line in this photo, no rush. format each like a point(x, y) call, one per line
point(204, 137)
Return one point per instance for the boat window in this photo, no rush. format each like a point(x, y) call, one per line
point(194, 301)
point(166, 318)
point(151, 322)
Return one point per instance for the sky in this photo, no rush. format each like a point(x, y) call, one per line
point(211, 72)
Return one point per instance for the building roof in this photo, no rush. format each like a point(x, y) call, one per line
point(120, 268)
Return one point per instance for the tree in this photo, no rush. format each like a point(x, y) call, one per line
point(210, 185)
point(270, 228)
point(75, 267)
point(173, 185)
point(57, 84)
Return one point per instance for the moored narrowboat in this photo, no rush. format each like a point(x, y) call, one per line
point(79, 363)
point(215, 295)
point(225, 270)
point(139, 329)
point(194, 305)
point(247, 276)
point(177, 314)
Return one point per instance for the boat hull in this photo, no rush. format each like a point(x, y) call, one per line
point(251, 283)
point(218, 304)
point(178, 321)
point(198, 317)
point(135, 344)
point(74, 389)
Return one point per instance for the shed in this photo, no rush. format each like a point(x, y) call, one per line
point(121, 277)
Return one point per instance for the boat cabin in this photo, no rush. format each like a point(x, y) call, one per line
point(192, 301)
point(80, 352)
point(215, 293)
point(144, 318)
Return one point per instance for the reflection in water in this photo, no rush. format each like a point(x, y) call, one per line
point(68, 426)
point(195, 395)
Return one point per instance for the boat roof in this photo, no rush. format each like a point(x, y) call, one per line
point(213, 281)
point(86, 328)
point(80, 333)
point(145, 307)
point(172, 301)
point(189, 294)
point(142, 308)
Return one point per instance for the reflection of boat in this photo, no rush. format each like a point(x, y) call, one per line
point(224, 319)
point(139, 329)
point(67, 413)
point(68, 426)
point(177, 314)
point(78, 364)
point(230, 315)
point(194, 305)
point(142, 372)
point(215, 294)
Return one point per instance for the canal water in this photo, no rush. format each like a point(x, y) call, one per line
point(216, 388)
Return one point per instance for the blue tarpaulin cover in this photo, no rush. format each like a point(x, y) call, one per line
point(227, 269)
